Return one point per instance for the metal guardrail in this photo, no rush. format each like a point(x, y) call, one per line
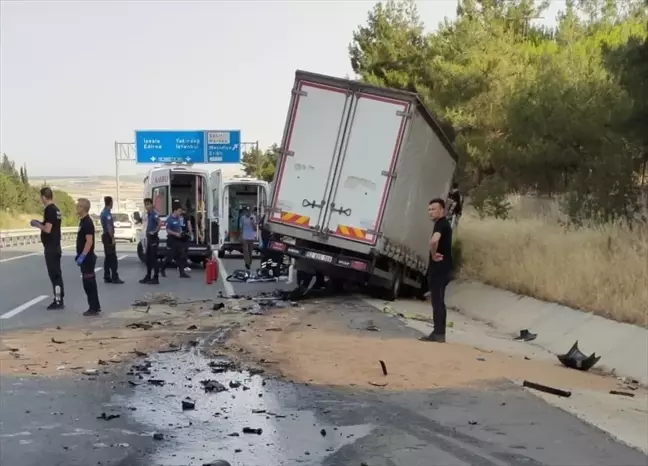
point(14, 238)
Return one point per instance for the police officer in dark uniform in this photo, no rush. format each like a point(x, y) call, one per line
point(108, 241)
point(175, 242)
point(86, 258)
point(50, 229)
point(152, 243)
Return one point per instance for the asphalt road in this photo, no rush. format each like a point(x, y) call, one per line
point(55, 421)
point(26, 291)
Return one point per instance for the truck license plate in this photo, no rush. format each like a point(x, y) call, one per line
point(318, 256)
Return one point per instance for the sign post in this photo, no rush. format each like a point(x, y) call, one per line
point(198, 146)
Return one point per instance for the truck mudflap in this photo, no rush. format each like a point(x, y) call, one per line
point(335, 260)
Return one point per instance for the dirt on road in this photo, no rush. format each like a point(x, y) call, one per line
point(335, 344)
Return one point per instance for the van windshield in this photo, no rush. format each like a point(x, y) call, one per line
point(121, 217)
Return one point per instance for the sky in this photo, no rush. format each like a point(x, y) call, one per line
point(76, 76)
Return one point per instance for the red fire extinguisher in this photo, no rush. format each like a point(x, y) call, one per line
point(208, 272)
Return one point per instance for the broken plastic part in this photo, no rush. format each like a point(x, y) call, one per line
point(526, 335)
point(575, 359)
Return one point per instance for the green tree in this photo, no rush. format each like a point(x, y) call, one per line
point(261, 164)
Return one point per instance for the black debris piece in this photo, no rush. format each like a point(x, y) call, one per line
point(255, 371)
point(139, 353)
point(251, 430)
point(234, 434)
point(158, 436)
point(383, 366)
point(575, 359)
point(620, 393)
point(526, 335)
point(192, 327)
point(156, 382)
point(323, 432)
point(140, 325)
point(188, 404)
point(472, 423)
point(108, 417)
point(57, 342)
point(546, 389)
point(221, 365)
point(218, 306)
point(217, 463)
point(212, 386)
point(234, 384)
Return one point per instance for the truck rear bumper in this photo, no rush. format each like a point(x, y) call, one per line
point(307, 235)
point(323, 260)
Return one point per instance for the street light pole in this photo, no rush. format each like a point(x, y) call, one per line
point(124, 152)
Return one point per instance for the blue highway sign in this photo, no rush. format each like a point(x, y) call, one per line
point(213, 146)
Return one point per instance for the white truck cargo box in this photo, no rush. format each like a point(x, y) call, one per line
point(358, 167)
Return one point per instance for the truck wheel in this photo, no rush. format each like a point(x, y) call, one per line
point(397, 280)
point(140, 253)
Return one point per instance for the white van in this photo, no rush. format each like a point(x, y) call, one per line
point(238, 194)
point(212, 204)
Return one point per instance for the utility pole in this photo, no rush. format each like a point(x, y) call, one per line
point(124, 152)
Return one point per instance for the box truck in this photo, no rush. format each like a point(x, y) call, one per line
point(358, 166)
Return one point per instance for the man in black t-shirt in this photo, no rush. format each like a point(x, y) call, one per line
point(50, 229)
point(440, 268)
point(86, 258)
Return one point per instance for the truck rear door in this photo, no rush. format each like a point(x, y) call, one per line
point(364, 173)
point(312, 141)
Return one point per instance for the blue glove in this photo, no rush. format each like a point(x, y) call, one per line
point(35, 223)
point(80, 258)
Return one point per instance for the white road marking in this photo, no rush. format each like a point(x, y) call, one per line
point(22, 307)
point(122, 257)
point(222, 275)
point(31, 254)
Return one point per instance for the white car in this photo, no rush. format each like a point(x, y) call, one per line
point(125, 228)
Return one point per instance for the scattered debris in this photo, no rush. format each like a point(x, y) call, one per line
point(255, 371)
point(378, 384)
point(141, 325)
point(575, 359)
point(192, 327)
point(481, 359)
point(221, 366)
point(323, 432)
point(212, 386)
point(188, 404)
point(217, 463)
point(234, 384)
point(218, 306)
point(90, 372)
point(251, 430)
point(58, 342)
point(526, 335)
point(140, 354)
point(158, 436)
point(108, 417)
point(172, 348)
point(156, 382)
point(546, 389)
point(383, 366)
point(618, 392)
point(472, 423)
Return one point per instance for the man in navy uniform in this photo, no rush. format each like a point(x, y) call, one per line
point(152, 243)
point(175, 243)
point(108, 241)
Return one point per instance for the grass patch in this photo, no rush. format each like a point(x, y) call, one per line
point(16, 221)
point(603, 270)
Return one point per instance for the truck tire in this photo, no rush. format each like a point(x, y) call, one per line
point(140, 253)
point(394, 290)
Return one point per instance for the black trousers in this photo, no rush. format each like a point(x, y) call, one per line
point(176, 249)
point(53, 264)
point(152, 262)
point(438, 283)
point(89, 280)
point(110, 258)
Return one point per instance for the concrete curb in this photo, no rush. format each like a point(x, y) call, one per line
point(623, 347)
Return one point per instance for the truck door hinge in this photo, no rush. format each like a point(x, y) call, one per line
point(299, 92)
point(405, 113)
point(286, 153)
point(388, 174)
